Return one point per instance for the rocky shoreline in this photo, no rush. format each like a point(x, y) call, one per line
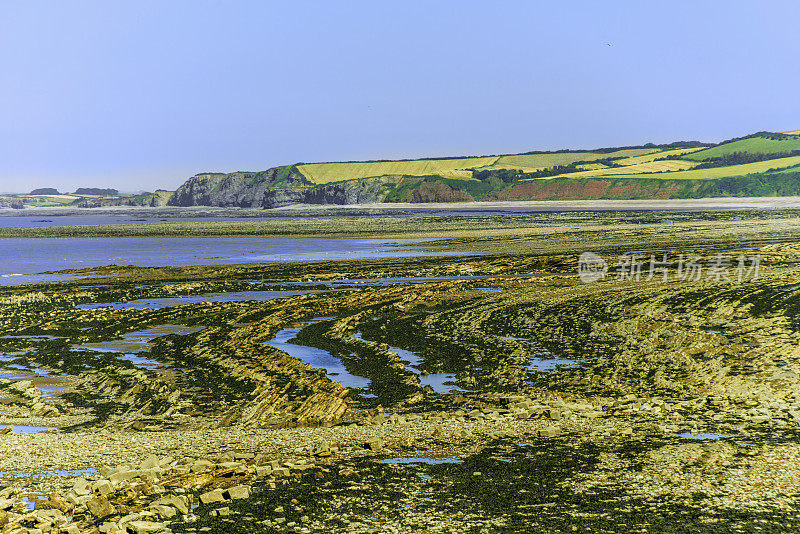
point(504, 396)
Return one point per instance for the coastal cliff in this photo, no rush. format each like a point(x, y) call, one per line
point(279, 186)
point(760, 164)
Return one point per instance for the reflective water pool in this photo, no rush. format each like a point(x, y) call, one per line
point(442, 383)
point(334, 368)
point(168, 302)
point(23, 256)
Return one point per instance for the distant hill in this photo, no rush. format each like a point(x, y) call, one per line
point(45, 191)
point(763, 143)
point(88, 198)
point(96, 191)
point(159, 198)
point(760, 164)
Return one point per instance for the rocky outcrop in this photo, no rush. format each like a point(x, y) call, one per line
point(14, 203)
point(353, 192)
point(279, 186)
point(242, 189)
point(160, 197)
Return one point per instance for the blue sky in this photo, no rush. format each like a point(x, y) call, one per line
point(138, 95)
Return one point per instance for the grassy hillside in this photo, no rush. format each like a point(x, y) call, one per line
point(647, 158)
point(716, 172)
point(639, 168)
point(461, 168)
point(323, 173)
point(534, 162)
point(681, 170)
point(50, 200)
point(762, 163)
point(748, 145)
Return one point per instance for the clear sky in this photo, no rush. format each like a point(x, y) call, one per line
point(143, 94)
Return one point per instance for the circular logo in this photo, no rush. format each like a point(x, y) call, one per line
point(591, 267)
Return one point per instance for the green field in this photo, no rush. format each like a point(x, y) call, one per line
point(591, 166)
point(750, 145)
point(323, 173)
point(640, 161)
point(716, 172)
point(671, 166)
point(53, 200)
point(534, 162)
point(647, 158)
